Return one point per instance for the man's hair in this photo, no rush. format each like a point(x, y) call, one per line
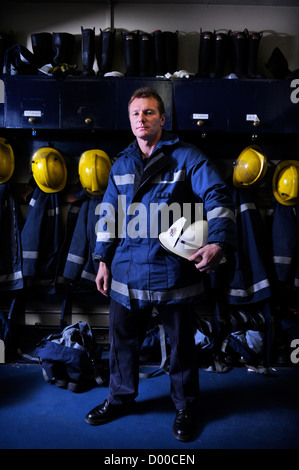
point(148, 92)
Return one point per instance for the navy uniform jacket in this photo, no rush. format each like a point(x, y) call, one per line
point(177, 174)
point(285, 242)
point(11, 276)
point(80, 265)
point(42, 238)
point(248, 280)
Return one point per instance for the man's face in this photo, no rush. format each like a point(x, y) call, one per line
point(146, 121)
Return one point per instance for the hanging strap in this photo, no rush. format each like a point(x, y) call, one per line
point(164, 363)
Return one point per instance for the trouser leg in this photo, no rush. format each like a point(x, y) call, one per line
point(126, 331)
point(178, 321)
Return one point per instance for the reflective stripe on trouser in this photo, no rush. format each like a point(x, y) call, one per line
point(178, 322)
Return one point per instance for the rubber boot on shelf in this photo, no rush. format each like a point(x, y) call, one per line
point(253, 47)
point(206, 48)
point(278, 65)
point(106, 55)
point(239, 53)
point(63, 45)
point(42, 48)
point(158, 54)
point(220, 54)
point(6, 42)
point(131, 54)
point(88, 51)
point(170, 44)
point(145, 54)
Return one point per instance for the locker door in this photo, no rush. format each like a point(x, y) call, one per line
point(88, 104)
point(256, 106)
point(31, 102)
point(201, 104)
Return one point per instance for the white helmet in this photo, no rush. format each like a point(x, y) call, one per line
point(185, 242)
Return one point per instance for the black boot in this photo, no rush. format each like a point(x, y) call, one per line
point(278, 64)
point(105, 60)
point(42, 48)
point(5, 43)
point(253, 46)
point(63, 45)
point(239, 53)
point(88, 51)
point(220, 54)
point(206, 48)
point(145, 54)
point(158, 53)
point(131, 54)
point(170, 44)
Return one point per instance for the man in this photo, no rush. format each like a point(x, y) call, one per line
point(136, 271)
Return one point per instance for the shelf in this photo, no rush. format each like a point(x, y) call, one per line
point(270, 3)
point(199, 105)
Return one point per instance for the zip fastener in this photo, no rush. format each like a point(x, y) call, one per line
point(156, 166)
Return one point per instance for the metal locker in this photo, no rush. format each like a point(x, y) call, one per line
point(88, 104)
point(201, 104)
point(256, 106)
point(31, 102)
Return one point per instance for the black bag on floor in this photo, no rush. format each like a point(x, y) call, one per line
point(71, 359)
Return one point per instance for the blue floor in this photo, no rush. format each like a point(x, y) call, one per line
point(237, 410)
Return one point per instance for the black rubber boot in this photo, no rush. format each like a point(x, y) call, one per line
point(6, 42)
point(220, 54)
point(145, 54)
point(206, 48)
point(239, 53)
point(107, 44)
point(158, 53)
point(88, 51)
point(63, 45)
point(131, 54)
point(278, 64)
point(253, 47)
point(170, 44)
point(42, 48)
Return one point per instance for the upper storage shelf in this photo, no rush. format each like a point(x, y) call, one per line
point(272, 3)
point(200, 105)
point(32, 102)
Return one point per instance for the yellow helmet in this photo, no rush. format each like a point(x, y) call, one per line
point(285, 183)
point(94, 169)
point(7, 161)
point(250, 167)
point(49, 170)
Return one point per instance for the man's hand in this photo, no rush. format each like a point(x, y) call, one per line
point(103, 279)
point(207, 258)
